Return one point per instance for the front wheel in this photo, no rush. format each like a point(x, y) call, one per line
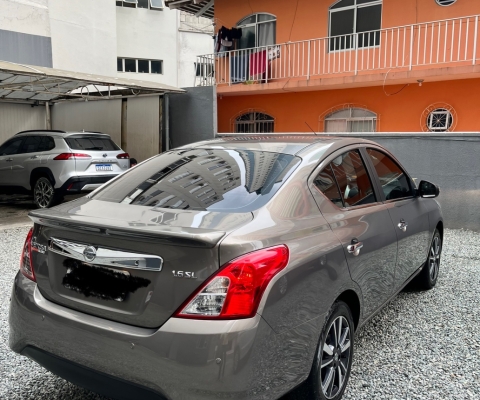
point(427, 278)
point(333, 362)
point(44, 193)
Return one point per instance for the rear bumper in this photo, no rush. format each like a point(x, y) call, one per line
point(184, 359)
point(79, 184)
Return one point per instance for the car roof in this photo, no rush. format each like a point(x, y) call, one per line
point(58, 133)
point(294, 144)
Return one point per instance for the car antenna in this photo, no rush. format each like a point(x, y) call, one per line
point(315, 133)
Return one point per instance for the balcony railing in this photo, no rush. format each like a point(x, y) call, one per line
point(443, 43)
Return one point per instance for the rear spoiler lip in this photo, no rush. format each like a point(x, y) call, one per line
point(173, 236)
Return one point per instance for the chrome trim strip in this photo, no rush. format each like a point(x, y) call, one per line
point(102, 256)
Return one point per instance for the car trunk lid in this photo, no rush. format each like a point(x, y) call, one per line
point(126, 263)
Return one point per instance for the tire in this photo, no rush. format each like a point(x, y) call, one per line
point(427, 278)
point(336, 365)
point(44, 195)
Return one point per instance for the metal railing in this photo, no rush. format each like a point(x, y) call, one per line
point(430, 44)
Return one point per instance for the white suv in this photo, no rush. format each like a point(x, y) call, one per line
point(50, 164)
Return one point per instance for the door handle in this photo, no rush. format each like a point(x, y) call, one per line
point(9, 159)
point(33, 157)
point(403, 225)
point(355, 247)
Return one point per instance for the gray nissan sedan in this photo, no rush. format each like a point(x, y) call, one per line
point(237, 268)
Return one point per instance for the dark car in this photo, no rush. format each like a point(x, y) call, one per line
point(237, 268)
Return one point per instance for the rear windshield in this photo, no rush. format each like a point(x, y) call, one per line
point(91, 143)
point(213, 180)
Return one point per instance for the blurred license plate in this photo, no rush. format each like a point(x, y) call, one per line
point(104, 167)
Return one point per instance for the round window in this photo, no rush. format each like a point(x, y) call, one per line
point(445, 2)
point(439, 120)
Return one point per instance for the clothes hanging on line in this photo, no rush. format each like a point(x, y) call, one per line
point(258, 64)
point(225, 37)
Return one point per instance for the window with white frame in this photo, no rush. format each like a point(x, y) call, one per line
point(148, 4)
point(355, 24)
point(351, 120)
point(254, 122)
point(139, 65)
point(257, 30)
point(439, 120)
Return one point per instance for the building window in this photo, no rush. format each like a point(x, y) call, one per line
point(439, 120)
point(148, 4)
point(351, 120)
point(351, 17)
point(445, 2)
point(141, 66)
point(254, 122)
point(257, 30)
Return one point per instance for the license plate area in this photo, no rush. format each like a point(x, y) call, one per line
point(104, 167)
point(104, 283)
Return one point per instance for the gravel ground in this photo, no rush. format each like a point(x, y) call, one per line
point(423, 345)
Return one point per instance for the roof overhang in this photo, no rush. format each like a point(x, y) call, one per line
point(32, 84)
point(200, 8)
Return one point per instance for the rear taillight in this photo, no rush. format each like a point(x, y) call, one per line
point(73, 156)
point(236, 290)
point(123, 156)
point(26, 264)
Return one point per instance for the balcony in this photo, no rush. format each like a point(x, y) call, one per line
point(432, 51)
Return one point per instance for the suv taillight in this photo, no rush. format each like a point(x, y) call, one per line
point(123, 156)
point(235, 291)
point(72, 156)
point(26, 264)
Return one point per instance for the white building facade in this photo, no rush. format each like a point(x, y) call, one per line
point(139, 39)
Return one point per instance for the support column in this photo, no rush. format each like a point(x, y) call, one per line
point(123, 126)
point(48, 119)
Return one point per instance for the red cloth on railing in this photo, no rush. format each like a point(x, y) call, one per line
point(258, 63)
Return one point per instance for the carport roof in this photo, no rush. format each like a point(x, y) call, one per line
point(27, 83)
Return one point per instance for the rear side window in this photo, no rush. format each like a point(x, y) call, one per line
point(395, 183)
point(46, 144)
point(327, 184)
point(11, 147)
point(210, 179)
point(352, 182)
point(91, 143)
point(34, 144)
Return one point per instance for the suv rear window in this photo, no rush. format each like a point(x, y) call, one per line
point(203, 179)
point(91, 143)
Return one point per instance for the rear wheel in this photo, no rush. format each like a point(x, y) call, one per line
point(333, 362)
point(44, 195)
point(427, 278)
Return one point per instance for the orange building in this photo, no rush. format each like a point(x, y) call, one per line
point(344, 65)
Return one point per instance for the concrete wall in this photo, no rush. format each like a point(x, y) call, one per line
point(450, 161)
point(19, 117)
point(151, 35)
point(192, 115)
point(191, 45)
point(21, 42)
point(84, 35)
point(99, 116)
point(143, 127)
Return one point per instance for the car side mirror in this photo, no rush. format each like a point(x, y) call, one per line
point(428, 190)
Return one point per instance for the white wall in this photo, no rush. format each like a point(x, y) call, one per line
point(84, 35)
point(15, 118)
point(191, 45)
point(148, 34)
point(25, 16)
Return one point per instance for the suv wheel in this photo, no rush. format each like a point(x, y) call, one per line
point(43, 193)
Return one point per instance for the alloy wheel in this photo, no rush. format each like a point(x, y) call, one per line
point(43, 193)
point(434, 258)
point(336, 354)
